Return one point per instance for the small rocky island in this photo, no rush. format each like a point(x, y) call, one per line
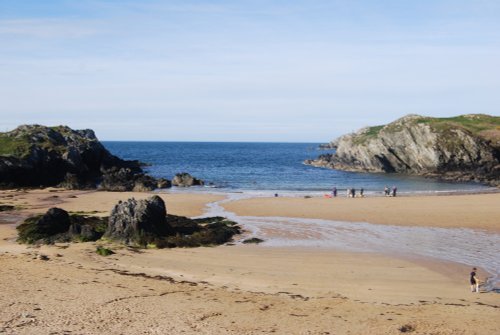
point(463, 148)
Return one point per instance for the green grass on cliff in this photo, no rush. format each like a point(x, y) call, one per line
point(19, 145)
point(485, 126)
point(13, 146)
point(370, 133)
point(473, 123)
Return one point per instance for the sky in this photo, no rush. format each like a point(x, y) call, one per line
point(263, 70)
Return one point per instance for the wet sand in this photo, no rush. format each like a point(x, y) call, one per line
point(241, 289)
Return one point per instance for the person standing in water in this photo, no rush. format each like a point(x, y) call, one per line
point(474, 281)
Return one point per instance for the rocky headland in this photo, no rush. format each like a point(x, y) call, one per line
point(463, 148)
point(40, 156)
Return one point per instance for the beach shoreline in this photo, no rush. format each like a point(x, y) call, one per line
point(239, 289)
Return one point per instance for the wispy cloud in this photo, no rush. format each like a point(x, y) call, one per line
point(48, 28)
point(333, 65)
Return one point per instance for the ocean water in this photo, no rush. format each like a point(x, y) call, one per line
point(242, 170)
point(272, 167)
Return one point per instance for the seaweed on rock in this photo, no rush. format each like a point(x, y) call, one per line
point(140, 223)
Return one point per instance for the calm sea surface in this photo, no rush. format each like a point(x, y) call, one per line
point(265, 167)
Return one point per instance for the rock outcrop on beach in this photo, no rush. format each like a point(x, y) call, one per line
point(186, 180)
point(140, 223)
point(34, 156)
point(463, 148)
point(57, 225)
point(138, 220)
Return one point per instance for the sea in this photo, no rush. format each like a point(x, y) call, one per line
point(268, 168)
point(244, 170)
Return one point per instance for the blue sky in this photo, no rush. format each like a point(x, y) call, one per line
point(304, 71)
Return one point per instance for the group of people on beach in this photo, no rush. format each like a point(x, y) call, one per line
point(351, 192)
point(390, 193)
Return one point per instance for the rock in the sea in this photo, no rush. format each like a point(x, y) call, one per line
point(138, 221)
point(461, 148)
point(185, 180)
point(34, 155)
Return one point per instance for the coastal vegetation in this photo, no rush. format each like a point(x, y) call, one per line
point(142, 223)
point(57, 225)
point(104, 251)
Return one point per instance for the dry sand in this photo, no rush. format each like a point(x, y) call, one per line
point(230, 289)
point(478, 211)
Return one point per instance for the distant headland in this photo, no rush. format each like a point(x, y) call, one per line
point(462, 148)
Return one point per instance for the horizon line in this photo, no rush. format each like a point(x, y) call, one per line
point(202, 141)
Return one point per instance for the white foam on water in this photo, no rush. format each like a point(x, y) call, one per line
point(461, 245)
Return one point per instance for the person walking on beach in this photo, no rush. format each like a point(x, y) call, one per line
point(386, 191)
point(394, 190)
point(474, 281)
point(362, 192)
point(353, 192)
point(348, 193)
point(334, 191)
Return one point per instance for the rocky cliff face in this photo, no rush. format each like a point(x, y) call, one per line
point(34, 155)
point(461, 149)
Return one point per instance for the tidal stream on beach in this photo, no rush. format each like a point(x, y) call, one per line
point(460, 245)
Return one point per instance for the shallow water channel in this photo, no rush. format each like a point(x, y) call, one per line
point(461, 245)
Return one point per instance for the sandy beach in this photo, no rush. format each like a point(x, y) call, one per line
point(477, 211)
point(243, 289)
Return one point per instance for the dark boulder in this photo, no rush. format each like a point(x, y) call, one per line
point(185, 180)
point(163, 183)
point(83, 232)
point(58, 226)
point(144, 183)
point(117, 180)
point(55, 221)
point(138, 221)
point(125, 179)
